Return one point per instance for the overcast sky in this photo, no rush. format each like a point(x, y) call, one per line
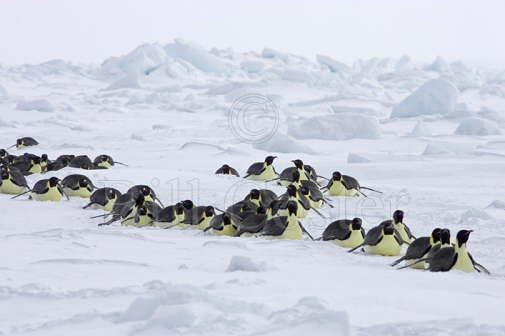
point(33, 31)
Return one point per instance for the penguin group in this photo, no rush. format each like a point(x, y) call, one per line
point(261, 213)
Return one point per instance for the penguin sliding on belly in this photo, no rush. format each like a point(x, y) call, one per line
point(106, 161)
point(47, 190)
point(78, 185)
point(262, 171)
point(345, 185)
point(285, 227)
point(452, 257)
point(25, 142)
point(345, 232)
point(227, 170)
point(420, 248)
point(382, 240)
point(103, 198)
point(12, 182)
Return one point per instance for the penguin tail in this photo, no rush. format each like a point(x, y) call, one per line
point(414, 263)
point(377, 191)
point(355, 248)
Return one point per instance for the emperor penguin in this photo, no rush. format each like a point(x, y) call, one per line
point(262, 171)
point(25, 142)
point(12, 182)
point(125, 207)
point(199, 217)
point(3, 153)
point(58, 164)
point(402, 228)
point(382, 240)
point(170, 216)
point(287, 176)
point(221, 225)
point(253, 223)
point(293, 194)
point(345, 185)
point(103, 198)
point(420, 248)
point(146, 191)
point(285, 227)
point(345, 232)
point(28, 165)
point(241, 210)
point(227, 170)
point(106, 161)
point(82, 162)
point(453, 257)
point(145, 215)
point(78, 185)
point(47, 190)
point(261, 197)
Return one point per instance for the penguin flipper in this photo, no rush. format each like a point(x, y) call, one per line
point(396, 262)
point(478, 267)
point(414, 263)
point(88, 205)
point(305, 230)
point(355, 248)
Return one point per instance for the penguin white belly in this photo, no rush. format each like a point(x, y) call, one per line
point(388, 246)
point(403, 233)
point(53, 194)
point(81, 192)
point(355, 239)
point(104, 164)
point(421, 265)
point(36, 169)
point(293, 231)
point(284, 183)
point(338, 189)
point(317, 205)
point(204, 223)
point(8, 187)
point(464, 263)
point(267, 174)
point(109, 205)
point(228, 230)
point(143, 221)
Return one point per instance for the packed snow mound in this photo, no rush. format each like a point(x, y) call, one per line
point(477, 126)
point(3, 92)
point(497, 204)
point(473, 214)
point(492, 114)
point(421, 129)
point(439, 65)
point(356, 158)
point(493, 90)
point(246, 264)
point(282, 143)
point(437, 96)
point(340, 126)
point(41, 105)
point(129, 81)
point(198, 57)
point(437, 148)
point(252, 67)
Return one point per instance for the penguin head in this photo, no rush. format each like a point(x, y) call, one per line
point(83, 182)
point(269, 160)
point(44, 158)
point(209, 211)
point(226, 219)
point(356, 223)
point(179, 209)
point(255, 194)
point(304, 191)
point(20, 143)
point(292, 208)
point(64, 161)
point(336, 176)
point(398, 216)
point(389, 228)
point(245, 207)
point(225, 168)
point(445, 236)
point(296, 176)
point(36, 161)
point(261, 210)
point(291, 190)
point(11, 159)
point(53, 182)
point(435, 235)
point(310, 171)
point(462, 237)
point(274, 206)
point(142, 210)
point(4, 174)
point(110, 194)
point(298, 163)
point(3, 153)
point(139, 200)
point(187, 204)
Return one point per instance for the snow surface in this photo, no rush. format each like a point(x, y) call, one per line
point(63, 275)
point(477, 126)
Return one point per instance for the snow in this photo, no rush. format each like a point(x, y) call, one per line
point(333, 65)
point(437, 96)
point(64, 275)
point(477, 126)
point(3, 92)
point(340, 126)
point(41, 105)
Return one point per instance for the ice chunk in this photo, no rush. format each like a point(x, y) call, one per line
point(282, 143)
point(493, 90)
point(439, 65)
point(437, 96)
point(420, 130)
point(198, 57)
point(472, 214)
point(252, 66)
point(436, 148)
point(340, 126)
point(333, 65)
point(142, 59)
point(42, 105)
point(477, 126)
point(497, 204)
point(246, 264)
